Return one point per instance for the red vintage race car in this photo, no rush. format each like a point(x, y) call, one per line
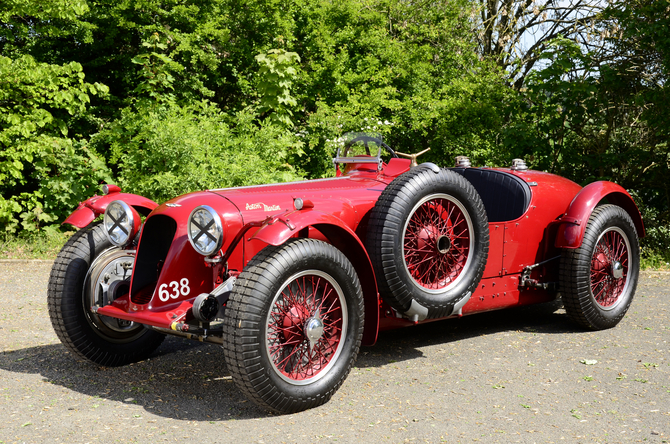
point(291, 279)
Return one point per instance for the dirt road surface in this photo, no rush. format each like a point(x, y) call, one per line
point(509, 376)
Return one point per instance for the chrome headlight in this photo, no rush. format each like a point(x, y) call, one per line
point(121, 223)
point(205, 230)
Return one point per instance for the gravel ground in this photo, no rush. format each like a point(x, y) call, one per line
point(507, 376)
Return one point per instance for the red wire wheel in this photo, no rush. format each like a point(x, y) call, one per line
point(305, 326)
point(293, 325)
point(428, 241)
point(437, 242)
point(597, 280)
point(609, 268)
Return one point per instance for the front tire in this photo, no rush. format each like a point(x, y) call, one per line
point(599, 278)
point(86, 263)
point(294, 324)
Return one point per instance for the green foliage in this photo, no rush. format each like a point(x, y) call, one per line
point(277, 74)
point(588, 120)
point(655, 260)
point(561, 104)
point(39, 98)
point(165, 151)
point(410, 73)
point(156, 74)
point(324, 66)
point(20, 19)
point(639, 33)
point(44, 244)
point(43, 173)
point(209, 93)
point(44, 9)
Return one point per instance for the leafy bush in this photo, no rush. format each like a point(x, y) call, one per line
point(43, 244)
point(212, 93)
point(167, 150)
point(43, 173)
point(410, 73)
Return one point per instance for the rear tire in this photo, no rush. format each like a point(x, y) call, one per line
point(598, 279)
point(99, 339)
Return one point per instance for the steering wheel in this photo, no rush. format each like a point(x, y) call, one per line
point(366, 140)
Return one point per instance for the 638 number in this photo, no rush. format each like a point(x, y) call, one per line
point(180, 288)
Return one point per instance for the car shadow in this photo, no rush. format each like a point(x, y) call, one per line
point(188, 380)
point(406, 343)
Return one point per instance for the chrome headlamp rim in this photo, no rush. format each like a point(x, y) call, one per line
point(203, 231)
point(128, 227)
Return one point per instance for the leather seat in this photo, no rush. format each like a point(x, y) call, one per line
point(505, 196)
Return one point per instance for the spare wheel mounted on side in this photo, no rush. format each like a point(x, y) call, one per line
point(428, 240)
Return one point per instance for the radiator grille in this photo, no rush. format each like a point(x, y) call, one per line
point(144, 295)
point(157, 235)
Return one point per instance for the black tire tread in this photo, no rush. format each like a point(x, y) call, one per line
point(575, 268)
point(65, 311)
point(386, 218)
point(246, 312)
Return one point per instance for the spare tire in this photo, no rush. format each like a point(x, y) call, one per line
point(428, 239)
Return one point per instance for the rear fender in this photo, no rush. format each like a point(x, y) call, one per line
point(574, 221)
point(281, 228)
point(94, 206)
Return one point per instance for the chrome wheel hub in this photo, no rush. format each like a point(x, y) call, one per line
point(313, 330)
point(110, 269)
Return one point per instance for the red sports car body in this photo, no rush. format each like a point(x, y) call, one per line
point(292, 278)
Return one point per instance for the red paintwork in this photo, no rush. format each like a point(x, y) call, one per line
point(137, 223)
point(277, 230)
point(573, 225)
point(337, 211)
point(334, 230)
point(164, 318)
point(396, 167)
point(94, 206)
point(347, 199)
point(182, 261)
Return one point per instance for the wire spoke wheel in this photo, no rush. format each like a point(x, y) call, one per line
point(598, 279)
point(609, 268)
point(437, 242)
point(293, 325)
point(428, 240)
point(305, 325)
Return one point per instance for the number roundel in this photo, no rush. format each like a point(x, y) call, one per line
point(174, 290)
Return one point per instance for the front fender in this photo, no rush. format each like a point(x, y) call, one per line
point(338, 233)
point(94, 206)
point(573, 223)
